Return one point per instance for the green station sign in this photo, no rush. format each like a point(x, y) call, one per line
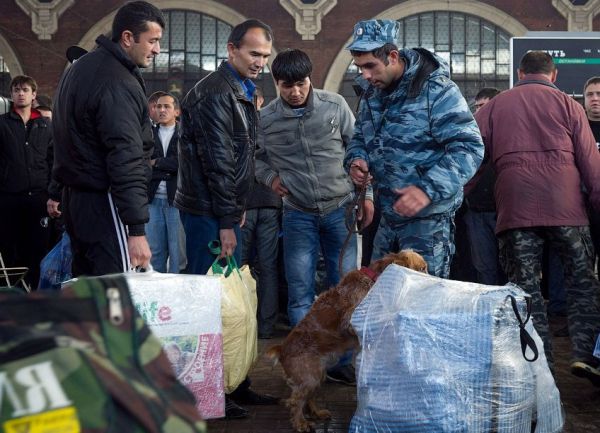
point(577, 58)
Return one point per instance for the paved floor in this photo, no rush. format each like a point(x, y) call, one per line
point(580, 399)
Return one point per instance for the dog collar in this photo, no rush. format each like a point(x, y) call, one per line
point(369, 273)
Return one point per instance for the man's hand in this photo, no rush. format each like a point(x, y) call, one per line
point(228, 242)
point(358, 171)
point(52, 208)
point(139, 251)
point(279, 189)
point(411, 201)
point(365, 213)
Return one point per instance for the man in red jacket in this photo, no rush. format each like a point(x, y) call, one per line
point(542, 149)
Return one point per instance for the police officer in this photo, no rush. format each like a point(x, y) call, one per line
point(416, 136)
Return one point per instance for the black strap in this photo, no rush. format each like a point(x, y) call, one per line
point(28, 347)
point(22, 310)
point(526, 339)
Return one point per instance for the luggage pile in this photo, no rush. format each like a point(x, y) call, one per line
point(448, 356)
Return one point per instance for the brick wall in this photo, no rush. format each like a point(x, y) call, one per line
point(45, 60)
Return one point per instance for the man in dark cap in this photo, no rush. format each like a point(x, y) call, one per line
point(416, 136)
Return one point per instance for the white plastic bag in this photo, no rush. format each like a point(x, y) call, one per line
point(184, 311)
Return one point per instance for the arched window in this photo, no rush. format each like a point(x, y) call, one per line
point(477, 51)
point(193, 45)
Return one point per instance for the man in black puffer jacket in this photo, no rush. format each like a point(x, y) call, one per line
point(25, 165)
point(104, 143)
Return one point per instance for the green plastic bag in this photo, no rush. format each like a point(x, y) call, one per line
point(238, 313)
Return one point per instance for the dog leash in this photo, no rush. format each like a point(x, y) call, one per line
point(351, 218)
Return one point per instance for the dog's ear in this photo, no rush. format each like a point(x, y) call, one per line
point(416, 262)
point(407, 258)
point(379, 266)
point(412, 260)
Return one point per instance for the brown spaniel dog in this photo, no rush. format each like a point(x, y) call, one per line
point(325, 334)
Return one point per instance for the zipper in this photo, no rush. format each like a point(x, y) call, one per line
point(116, 317)
point(115, 307)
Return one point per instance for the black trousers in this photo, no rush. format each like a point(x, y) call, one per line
point(24, 232)
point(98, 237)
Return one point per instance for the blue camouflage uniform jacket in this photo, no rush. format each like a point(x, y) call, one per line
point(422, 133)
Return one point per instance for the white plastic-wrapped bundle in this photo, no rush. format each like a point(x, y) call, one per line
point(446, 356)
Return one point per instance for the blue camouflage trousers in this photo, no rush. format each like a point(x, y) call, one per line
point(432, 237)
point(521, 257)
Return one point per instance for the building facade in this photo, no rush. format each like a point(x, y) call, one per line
point(472, 35)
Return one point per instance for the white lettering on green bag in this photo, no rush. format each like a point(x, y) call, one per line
point(42, 389)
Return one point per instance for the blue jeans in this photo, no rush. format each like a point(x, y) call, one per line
point(199, 231)
point(162, 231)
point(303, 235)
point(261, 241)
point(481, 228)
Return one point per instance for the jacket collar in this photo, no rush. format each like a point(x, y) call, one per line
point(232, 80)
point(419, 64)
point(247, 85)
point(35, 114)
point(118, 52)
point(536, 79)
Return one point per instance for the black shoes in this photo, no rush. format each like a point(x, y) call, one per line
point(247, 396)
point(585, 370)
point(233, 411)
point(344, 374)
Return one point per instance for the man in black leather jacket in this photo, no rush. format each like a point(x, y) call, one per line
point(104, 143)
point(216, 161)
point(218, 127)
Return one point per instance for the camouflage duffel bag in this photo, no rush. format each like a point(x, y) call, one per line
point(83, 360)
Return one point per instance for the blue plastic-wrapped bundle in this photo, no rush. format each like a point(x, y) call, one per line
point(446, 356)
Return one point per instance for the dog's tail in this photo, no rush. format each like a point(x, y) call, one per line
point(273, 353)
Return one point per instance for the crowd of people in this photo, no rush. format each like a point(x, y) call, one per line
point(143, 182)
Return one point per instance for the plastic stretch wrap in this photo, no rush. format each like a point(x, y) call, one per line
point(184, 311)
point(445, 356)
